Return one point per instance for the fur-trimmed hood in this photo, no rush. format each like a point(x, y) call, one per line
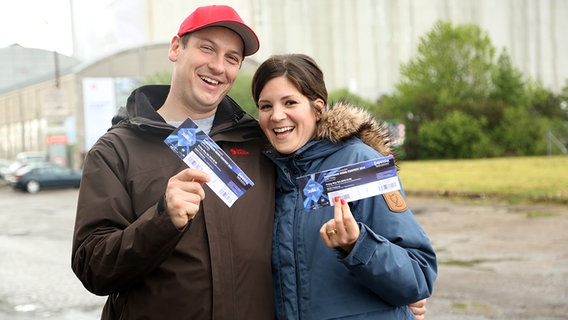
point(342, 121)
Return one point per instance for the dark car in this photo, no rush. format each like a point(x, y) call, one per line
point(35, 177)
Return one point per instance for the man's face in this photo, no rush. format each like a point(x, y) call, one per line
point(206, 68)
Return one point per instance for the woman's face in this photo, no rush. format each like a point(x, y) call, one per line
point(286, 116)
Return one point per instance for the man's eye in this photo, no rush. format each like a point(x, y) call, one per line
point(234, 59)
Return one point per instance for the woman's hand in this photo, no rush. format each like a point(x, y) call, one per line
point(418, 309)
point(341, 231)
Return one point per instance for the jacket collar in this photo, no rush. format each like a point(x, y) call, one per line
point(143, 103)
point(343, 121)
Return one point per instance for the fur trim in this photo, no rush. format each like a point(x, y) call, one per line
point(343, 120)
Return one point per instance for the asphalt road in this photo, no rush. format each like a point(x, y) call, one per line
point(36, 280)
point(497, 261)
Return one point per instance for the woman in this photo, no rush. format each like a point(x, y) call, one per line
point(364, 260)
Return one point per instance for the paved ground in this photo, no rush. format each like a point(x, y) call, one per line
point(497, 261)
point(36, 281)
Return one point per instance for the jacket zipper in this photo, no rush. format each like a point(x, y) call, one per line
point(295, 241)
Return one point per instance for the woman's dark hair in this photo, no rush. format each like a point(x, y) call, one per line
point(301, 70)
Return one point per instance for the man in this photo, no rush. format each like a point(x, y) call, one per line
point(148, 232)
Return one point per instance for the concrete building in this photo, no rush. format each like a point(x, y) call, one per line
point(63, 115)
point(360, 45)
point(20, 67)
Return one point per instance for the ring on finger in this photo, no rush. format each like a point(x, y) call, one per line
point(331, 232)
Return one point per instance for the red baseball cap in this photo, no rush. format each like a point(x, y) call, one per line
point(222, 16)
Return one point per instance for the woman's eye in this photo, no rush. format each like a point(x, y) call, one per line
point(264, 107)
point(290, 102)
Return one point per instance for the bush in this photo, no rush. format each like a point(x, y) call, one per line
point(456, 136)
point(241, 93)
point(521, 134)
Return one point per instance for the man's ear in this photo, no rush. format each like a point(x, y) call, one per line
point(175, 46)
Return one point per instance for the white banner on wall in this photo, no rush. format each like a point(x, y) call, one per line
point(99, 104)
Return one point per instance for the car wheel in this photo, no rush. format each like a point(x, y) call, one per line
point(32, 186)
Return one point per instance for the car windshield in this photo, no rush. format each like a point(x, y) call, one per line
point(39, 167)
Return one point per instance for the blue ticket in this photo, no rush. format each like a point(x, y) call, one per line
point(351, 182)
point(199, 151)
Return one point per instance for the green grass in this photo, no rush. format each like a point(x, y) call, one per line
point(541, 214)
point(514, 179)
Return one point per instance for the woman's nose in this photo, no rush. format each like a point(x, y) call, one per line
point(278, 114)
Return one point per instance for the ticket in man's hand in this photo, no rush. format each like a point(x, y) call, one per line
point(351, 182)
point(199, 151)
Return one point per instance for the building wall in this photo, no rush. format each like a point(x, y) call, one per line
point(360, 44)
point(18, 65)
point(33, 114)
point(30, 114)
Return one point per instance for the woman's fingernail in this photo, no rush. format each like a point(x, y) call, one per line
point(336, 199)
point(342, 201)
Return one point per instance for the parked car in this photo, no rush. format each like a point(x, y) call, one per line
point(32, 157)
point(4, 165)
point(23, 159)
point(35, 177)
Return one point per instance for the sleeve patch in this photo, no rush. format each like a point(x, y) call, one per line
point(395, 201)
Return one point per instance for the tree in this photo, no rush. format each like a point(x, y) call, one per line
point(521, 134)
point(543, 102)
point(453, 70)
point(508, 83)
point(349, 97)
point(241, 93)
point(457, 136)
point(454, 86)
point(454, 65)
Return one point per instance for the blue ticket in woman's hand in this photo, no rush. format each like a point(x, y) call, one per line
point(199, 151)
point(351, 182)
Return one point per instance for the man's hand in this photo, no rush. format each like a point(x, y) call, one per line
point(183, 195)
point(418, 309)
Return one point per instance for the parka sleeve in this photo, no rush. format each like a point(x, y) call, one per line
point(114, 247)
point(393, 256)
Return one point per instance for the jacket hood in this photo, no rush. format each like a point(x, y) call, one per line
point(343, 121)
point(141, 106)
point(146, 100)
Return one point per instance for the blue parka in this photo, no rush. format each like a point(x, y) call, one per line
point(392, 263)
